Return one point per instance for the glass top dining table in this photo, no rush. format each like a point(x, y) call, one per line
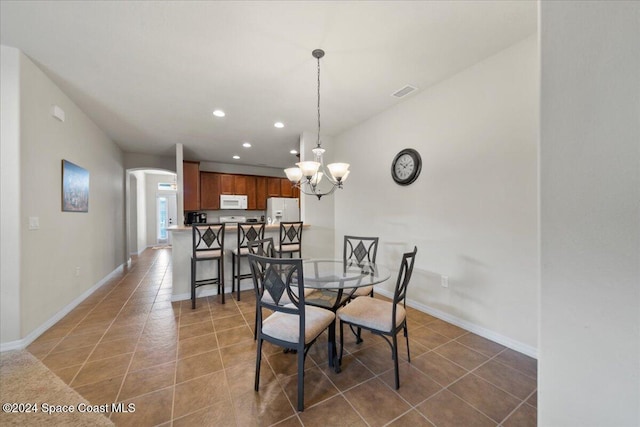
point(334, 281)
point(340, 275)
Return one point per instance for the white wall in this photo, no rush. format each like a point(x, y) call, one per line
point(149, 161)
point(318, 240)
point(472, 213)
point(141, 210)
point(92, 241)
point(132, 214)
point(10, 195)
point(589, 367)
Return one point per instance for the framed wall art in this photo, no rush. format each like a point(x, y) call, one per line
point(75, 188)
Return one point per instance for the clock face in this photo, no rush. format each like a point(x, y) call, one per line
point(406, 166)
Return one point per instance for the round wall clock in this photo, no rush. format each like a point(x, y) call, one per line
point(406, 166)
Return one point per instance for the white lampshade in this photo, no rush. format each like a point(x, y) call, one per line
point(344, 178)
point(308, 168)
point(293, 174)
point(338, 170)
point(315, 179)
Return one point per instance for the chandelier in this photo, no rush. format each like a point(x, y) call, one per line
point(313, 177)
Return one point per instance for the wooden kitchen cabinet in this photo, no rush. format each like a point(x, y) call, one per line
point(209, 190)
point(251, 192)
point(273, 187)
point(226, 184)
point(239, 184)
point(191, 185)
point(261, 192)
point(285, 188)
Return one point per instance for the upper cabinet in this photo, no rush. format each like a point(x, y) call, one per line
point(261, 192)
point(202, 190)
point(210, 190)
point(252, 202)
point(227, 184)
point(239, 184)
point(191, 185)
point(273, 187)
point(286, 190)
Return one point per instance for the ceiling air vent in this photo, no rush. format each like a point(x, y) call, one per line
point(401, 93)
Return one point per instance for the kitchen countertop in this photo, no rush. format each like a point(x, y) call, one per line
point(178, 228)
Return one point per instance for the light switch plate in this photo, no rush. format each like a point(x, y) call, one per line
point(34, 223)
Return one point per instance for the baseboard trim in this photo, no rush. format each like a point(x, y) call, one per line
point(22, 343)
point(471, 327)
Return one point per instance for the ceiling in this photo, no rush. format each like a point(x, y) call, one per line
point(150, 74)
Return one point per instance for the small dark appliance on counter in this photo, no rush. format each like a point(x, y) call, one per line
point(195, 217)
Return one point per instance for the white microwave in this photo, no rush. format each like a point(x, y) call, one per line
point(233, 202)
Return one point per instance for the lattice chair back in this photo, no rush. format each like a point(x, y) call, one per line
point(283, 281)
point(361, 249)
point(262, 247)
point(208, 240)
point(248, 232)
point(290, 238)
point(404, 277)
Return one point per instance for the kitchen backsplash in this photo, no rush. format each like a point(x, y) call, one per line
point(213, 216)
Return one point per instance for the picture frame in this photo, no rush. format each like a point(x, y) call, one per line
point(75, 188)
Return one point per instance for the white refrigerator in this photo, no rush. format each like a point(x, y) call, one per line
point(282, 209)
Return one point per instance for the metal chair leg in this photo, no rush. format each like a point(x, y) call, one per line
point(233, 277)
point(238, 276)
point(193, 284)
point(301, 379)
point(221, 276)
point(395, 360)
point(258, 360)
point(406, 335)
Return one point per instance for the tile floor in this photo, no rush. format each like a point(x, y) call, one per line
point(129, 343)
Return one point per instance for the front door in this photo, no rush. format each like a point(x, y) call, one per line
point(167, 209)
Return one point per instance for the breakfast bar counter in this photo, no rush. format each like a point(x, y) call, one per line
point(181, 237)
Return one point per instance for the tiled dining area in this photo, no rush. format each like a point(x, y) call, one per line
point(129, 343)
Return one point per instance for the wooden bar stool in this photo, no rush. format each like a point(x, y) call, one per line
point(208, 245)
point(247, 232)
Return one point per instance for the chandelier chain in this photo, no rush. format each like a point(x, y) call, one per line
point(318, 142)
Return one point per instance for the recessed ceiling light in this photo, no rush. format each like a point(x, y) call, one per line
point(218, 113)
point(293, 152)
point(279, 125)
point(236, 157)
point(246, 144)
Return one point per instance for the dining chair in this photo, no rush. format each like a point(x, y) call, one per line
point(360, 250)
point(292, 326)
point(384, 318)
point(208, 245)
point(266, 248)
point(290, 241)
point(247, 232)
point(263, 248)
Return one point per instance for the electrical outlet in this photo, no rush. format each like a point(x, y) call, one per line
point(77, 271)
point(444, 281)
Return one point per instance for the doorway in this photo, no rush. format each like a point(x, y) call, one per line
point(167, 211)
